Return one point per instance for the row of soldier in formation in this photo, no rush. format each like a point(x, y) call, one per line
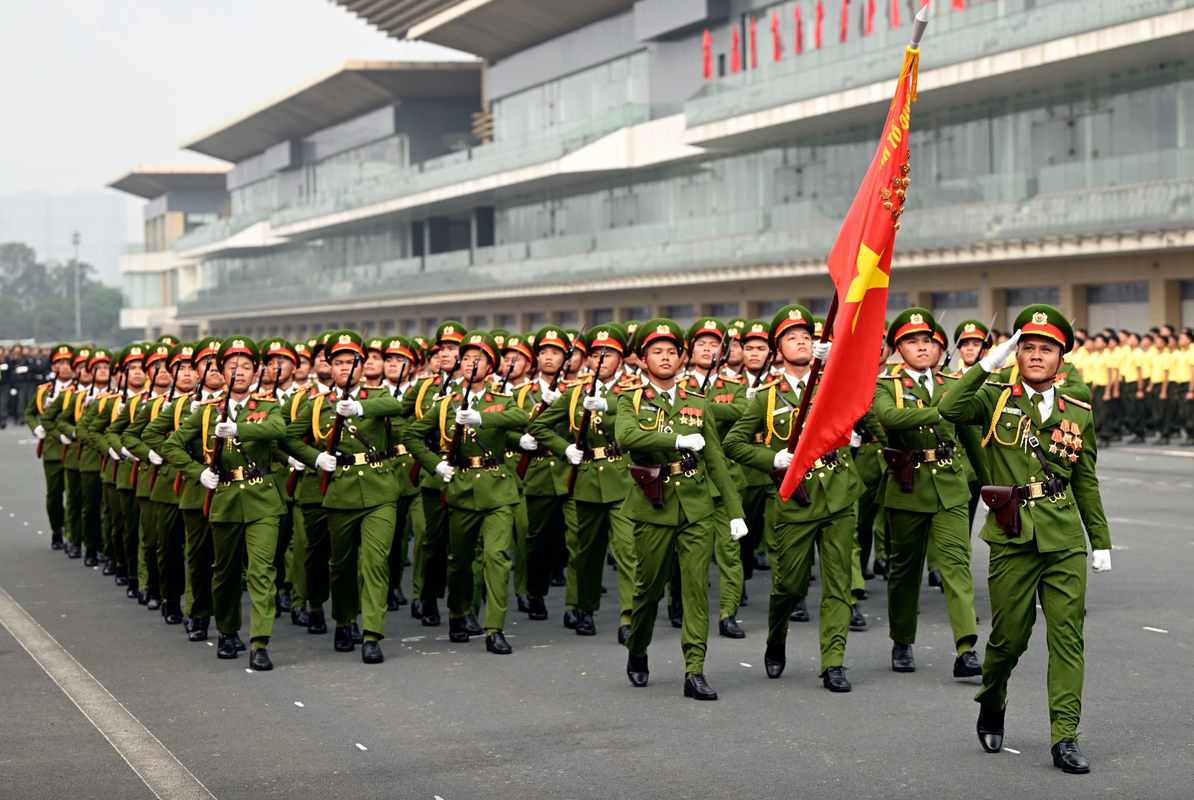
point(295, 468)
point(22, 369)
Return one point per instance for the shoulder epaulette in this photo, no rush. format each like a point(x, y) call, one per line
point(889, 377)
point(212, 401)
point(767, 384)
point(695, 393)
point(633, 386)
point(1078, 403)
point(264, 396)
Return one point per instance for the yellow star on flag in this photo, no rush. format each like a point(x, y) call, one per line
point(869, 277)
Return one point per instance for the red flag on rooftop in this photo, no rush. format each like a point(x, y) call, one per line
point(820, 17)
point(707, 51)
point(870, 17)
point(799, 32)
point(895, 13)
point(735, 52)
point(754, 42)
point(845, 18)
point(777, 43)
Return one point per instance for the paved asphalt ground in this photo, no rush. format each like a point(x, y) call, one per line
point(558, 718)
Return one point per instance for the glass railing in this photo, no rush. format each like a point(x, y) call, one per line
point(215, 231)
point(744, 239)
point(954, 36)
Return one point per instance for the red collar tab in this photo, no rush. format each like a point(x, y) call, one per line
point(1017, 390)
point(908, 382)
point(940, 380)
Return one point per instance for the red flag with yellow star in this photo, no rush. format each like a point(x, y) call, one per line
point(860, 266)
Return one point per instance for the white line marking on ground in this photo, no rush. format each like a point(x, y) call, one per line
point(161, 771)
point(1173, 453)
point(361, 746)
point(297, 703)
point(743, 663)
point(1155, 630)
point(1017, 752)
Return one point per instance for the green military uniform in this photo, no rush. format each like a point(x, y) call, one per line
point(827, 522)
point(971, 435)
point(601, 485)
point(480, 495)
point(74, 425)
point(521, 345)
point(51, 448)
point(245, 506)
point(932, 509)
point(60, 422)
point(647, 426)
point(871, 468)
point(102, 413)
point(125, 475)
point(1047, 560)
point(759, 495)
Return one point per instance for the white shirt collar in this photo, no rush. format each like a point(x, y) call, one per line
point(671, 393)
point(729, 373)
point(1046, 404)
point(59, 386)
point(920, 376)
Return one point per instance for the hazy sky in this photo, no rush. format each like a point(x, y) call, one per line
point(92, 88)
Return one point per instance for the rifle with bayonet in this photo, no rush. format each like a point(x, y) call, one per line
point(338, 422)
point(586, 420)
point(525, 461)
point(445, 383)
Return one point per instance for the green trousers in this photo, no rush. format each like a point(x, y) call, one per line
point(398, 548)
point(1018, 575)
point(728, 555)
point(91, 497)
point(200, 560)
point(691, 544)
point(171, 551)
point(909, 534)
point(869, 505)
point(547, 530)
point(494, 527)
point(285, 537)
point(791, 569)
point(754, 505)
point(296, 567)
point(361, 539)
point(595, 523)
point(418, 527)
point(74, 505)
point(521, 526)
point(317, 554)
point(113, 541)
point(621, 547)
point(231, 542)
point(147, 546)
point(129, 527)
point(435, 546)
point(567, 558)
point(55, 475)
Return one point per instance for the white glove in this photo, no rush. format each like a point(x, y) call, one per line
point(782, 459)
point(39, 432)
point(226, 430)
point(209, 479)
point(195, 406)
point(326, 462)
point(88, 399)
point(112, 454)
point(468, 416)
point(690, 441)
point(528, 443)
point(124, 451)
point(855, 439)
point(155, 459)
point(821, 350)
point(574, 454)
point(751, 392)
point(295, 463)
point(1100, 561)
point(596, 404)
point(737, 528)
point(550, 396)
point(62, 437)
point(22, 370)
point(998, 355)
point(350, 408)
point(119, 408)
point(444, 470)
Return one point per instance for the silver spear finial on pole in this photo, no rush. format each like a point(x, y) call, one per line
point(919, 25)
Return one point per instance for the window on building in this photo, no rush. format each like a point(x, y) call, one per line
point(410, 327)
point(766, 309)
point(967, 298)
point(639, 313)
point(429, 325)
point(600, 316)
point(819, 306)
point(507, 321)
point(536, 320)
point(896, 302)
point(1187, 297)
point(723, 310)
point(478, 321)
point(1118, 305)
point(683, 314)
point(567, 319)
point(1118, 293)
point(1034, 294)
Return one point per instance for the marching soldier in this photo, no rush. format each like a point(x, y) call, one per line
point(926, 494)
point(132, 363)
point(104, 410)
point(61, 419)
point(95, 537)
point(399, 366)
point(50, 447)
point(517, 364)
point(1042, 454)
point(759, 497)
point(680, 468)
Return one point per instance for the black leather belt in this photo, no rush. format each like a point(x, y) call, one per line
point(609, 452)
point(360, 459)
point(245, 474)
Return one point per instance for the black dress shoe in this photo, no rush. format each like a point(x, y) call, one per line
point(259, 660)
point(89, 558)
point(834, 679)
point(395, 599)
point(186, 622)
point(775, 658)
point(867, 575)
point(585, 625)
point(524, 603)
point(990, 729)
point(342, 640)
point(472, 627)
point(226, 647)
point(153, 603)
point(558, 578)
point(357, 638)
point(143, 596)
point(935, 580)
point(74, 550)
point(675, 613)
point(536, 608)
point(744, 601)
point(901, 658)
point(967, 665)
point(430, 613)
point(371, 653)
point(122, 577)
point(131, 591)
point(56, 541)
point(729, 628)
point(109, 566)
point(882, 567)
point(801, 612)
point(299, 616)
point(240, 646)
point(456, 631)
point(316, 622)
point(857, 620)
point(416, 608)
point(1068, 758)
point(697, 687)
point(571, 616)
point(636, 670)
point(199, 629)
point(277, 604)
point(496, 643)
point(762, 562)
point(623, 633)
point(173, 612)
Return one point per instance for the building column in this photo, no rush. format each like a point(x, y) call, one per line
point(472, 237)
point(1164, 302)
point(1072, 299)
point(426, 243)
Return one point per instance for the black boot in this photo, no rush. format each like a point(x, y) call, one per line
point(154, 602)
point(882, 567)
point(623, 633)
point(834, 679)
point(1068, 758)
point(173, 612)
point(762, 562)
point(471, 626)
point(636, 670)
point(371, 652)
point(285, 601)
point(56, 541)
point(675, 613)
point(198, 629)
point(696, 686)
point(585, 625)
point(775, 658)
point(259, 660)
point(109, 566)
point(456, 631)
point(524, 603)
point(357, 637)
point(536, 608)
point(89, 558)
point(571, 616)
point(729, 628)
point(186, 623)
point(316, 622)
point(342, 639)
point(857, 620)
point(967, 666)
point(801, 612)
point(395, 599)
point(416, 608)
point(430, 613)
point(122, 578)
point(236, 642)
point(74, 550)
point(558, 578)
point(901, 658)
point(496, 643)
point(226, 647)
point(299, 616)
point(990, 729)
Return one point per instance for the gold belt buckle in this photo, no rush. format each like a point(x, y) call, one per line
point(674, 468)
point(238, 474)
point(401, 451)
point(930, 455)
point(818, 464)
point(474, 462)
point(758, 439)
point(1036, 489)
point(598, 453)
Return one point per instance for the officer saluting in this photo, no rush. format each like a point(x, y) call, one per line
point(1041, 446)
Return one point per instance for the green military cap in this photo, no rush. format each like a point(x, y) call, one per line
point(399, 346)
point(343, 342)
point(656, 330)
point(552, 336)
point(155, 353)
point(302, 350)
point(183, 351)
point(206, 347)
point(706, 326)
point(320, 342)
point(757, 329)
point(910, 321)
point(939, 335)
point(63, 352)
point(575, 338)
point(99, 355)
point(236, 346)
point(1040, 319)
point(81, 354)
point(500, 335)
point(818, 327)
point(790, 316)
point(277, 346)
point(608, 335)
point(970, 329)
point(735, 327)
point(631, 328)
point(449, 331)
point(480, 340)
point(133, 352)
point(519, 344)
point(374, 343)
point(167, 339)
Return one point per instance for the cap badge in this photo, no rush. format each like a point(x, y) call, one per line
point(916, 319)
point(1040, 318)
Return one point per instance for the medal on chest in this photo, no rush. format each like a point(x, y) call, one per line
point(1066, 441)
point(692, 417)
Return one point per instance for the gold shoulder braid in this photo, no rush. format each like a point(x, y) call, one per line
point(443, 420)
point(316, 407)
point(1020, 425)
